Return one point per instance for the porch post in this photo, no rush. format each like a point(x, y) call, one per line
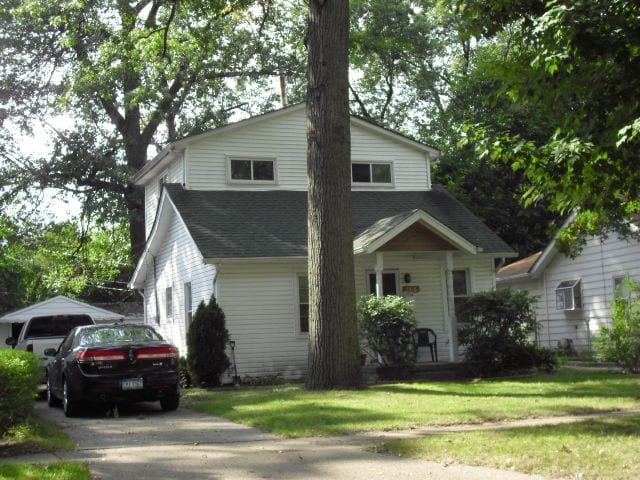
point(451, 310)
point(378, 269)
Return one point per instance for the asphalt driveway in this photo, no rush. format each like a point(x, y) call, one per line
point(145, 443)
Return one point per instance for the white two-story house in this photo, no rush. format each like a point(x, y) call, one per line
point(226, 213)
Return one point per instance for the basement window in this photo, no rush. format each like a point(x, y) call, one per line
point(568, 295)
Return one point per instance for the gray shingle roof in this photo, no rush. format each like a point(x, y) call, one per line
point(254, 224)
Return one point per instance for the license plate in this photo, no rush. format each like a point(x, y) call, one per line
point(132, 384)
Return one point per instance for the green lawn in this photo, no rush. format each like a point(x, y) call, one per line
point(35, 436)
point(293, 412)
point(58, 471)
point(605, 448)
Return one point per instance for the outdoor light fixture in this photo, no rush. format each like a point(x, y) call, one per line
point(407, 278)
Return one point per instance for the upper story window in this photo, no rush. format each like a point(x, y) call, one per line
point(371, 173)
point(259, 170)
point(568, 295)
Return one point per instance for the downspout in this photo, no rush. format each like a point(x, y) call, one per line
point(546, 307)
point(155, 289)
point(215, 281)
point(144, 304)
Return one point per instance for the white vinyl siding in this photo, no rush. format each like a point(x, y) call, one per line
point(596, 266)
point(285, 137)
point(260, 305)
point(177, 263)
point(427, 272)
point(173, 174)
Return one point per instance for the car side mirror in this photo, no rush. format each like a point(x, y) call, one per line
point(50, 352)
point(11, 341)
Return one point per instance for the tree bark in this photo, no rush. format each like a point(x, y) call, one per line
point(333, 338)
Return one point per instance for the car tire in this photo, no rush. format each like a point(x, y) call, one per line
point(69, 404)
point(170, 402)
point(52, 400)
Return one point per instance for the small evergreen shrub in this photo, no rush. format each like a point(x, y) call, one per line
point(497, 331)
point(206, 342)
point(386, 327)
point(621, 342)
point(20, 374)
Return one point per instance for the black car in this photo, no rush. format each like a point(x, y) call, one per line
point(112, 364)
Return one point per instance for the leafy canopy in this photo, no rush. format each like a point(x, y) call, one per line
point(579, 63)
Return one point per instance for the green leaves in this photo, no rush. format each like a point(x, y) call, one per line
point(575, 63)
point(386, 326)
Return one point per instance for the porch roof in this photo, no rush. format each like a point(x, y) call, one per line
point(235, 224)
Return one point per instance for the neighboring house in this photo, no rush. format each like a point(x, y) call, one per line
point(574, 295)
point(11, 323)
point(226, 213)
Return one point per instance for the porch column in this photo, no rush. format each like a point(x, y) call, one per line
point(452, 324)
point(378, 269)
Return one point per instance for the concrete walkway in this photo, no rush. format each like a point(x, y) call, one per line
point(145, 443)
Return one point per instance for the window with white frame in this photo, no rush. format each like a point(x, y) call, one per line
point(461, 290)
point(371, 173)
point(303, 303)
point(169, 301)
point(568, 295)
point(188, 306)
point(620, 287)
point(389, 283)
point(259, 170)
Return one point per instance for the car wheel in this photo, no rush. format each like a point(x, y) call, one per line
point(170, 402)
point(69, 404)
point(52, 400)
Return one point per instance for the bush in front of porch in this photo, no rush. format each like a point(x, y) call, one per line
point(386, 328)
point(496, 333)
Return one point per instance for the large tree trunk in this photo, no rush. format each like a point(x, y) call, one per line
point(333, 338)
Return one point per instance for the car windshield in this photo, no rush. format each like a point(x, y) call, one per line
point(55, 325)
point(117, 334)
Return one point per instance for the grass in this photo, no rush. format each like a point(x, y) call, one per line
point(58, 471)
point(292, 411)
point(604, 448)
point(35, 436)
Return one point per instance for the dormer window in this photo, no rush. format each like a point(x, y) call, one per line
point(258, 170)
point(371, 173)
point(568, 295)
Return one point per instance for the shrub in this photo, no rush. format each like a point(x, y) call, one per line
point(497, 331)
point(621, 342)
point(20, 374)
point(206, 342)
point(386, 327)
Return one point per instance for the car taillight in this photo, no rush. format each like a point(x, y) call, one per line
point(155, 353)
point(85, 356)
point(30, 347)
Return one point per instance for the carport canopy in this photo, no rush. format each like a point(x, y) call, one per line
point(61, 305)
